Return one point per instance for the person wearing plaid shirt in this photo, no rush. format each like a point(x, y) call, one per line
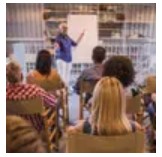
point(16, 90)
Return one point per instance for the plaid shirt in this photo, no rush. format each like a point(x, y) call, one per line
point(29, 91)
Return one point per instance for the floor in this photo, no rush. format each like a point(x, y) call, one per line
point(74, 108)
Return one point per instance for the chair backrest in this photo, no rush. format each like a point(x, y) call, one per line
point(35, 106)
point(85, 87)
point(150, 84)
point(133, 104)
point(30, 106)
point(84, 143)
point(49, 85)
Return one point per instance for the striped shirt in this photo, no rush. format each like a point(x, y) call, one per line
point(28, 91)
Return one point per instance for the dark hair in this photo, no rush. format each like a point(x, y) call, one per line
point(44, 62)
point(98, 54)
point(120, 67)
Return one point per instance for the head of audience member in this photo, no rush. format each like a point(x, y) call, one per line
point(13, 73)
point(109, 108)
point(120, 67)
point(21, 137)
point(63, 28)
point(98, 55)
point(150, 84)
point(44, 62)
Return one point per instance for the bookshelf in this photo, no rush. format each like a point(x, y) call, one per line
point(124, 29)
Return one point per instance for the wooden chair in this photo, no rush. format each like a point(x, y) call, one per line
point(55, 88)
point(133, 104)
point(49, 85)
point(35, 106)
point(85, 87)
point(135, 108)
point(84, 143)
point(64, 107)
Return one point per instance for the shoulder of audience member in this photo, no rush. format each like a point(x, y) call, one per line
point(137, 126)
point(30, 75)
point(77, 128)
point(34, 86)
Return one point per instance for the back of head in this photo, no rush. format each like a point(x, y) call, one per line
point(120, 67)
point(13, 72)
point(44, 62)
point(109, 108)
point(98, 55)
point(21, 137)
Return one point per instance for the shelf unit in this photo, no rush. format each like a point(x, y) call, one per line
point(25, 25)
point(124, 29)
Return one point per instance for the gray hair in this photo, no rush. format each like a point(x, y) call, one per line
point(61, 25)
point(13, 72)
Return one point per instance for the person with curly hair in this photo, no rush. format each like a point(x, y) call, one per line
point(120, 67)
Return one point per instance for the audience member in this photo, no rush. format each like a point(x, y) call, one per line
point(108, 115)
point(45, 73)
point(150, 97)
point(16, 90)
point(120, 67)
point(21, 137)
point(94, 73)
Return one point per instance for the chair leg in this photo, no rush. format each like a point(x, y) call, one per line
point(81, 104)
point(67, 109)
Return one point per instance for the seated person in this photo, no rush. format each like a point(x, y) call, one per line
point(94, 73)
point(21, 137)
point(150, 96)
point(45, 73)
point(149, 100)
point(16, 90)
point(120, 67)
point(108, 115)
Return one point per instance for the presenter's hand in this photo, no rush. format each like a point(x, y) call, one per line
point(82, 34)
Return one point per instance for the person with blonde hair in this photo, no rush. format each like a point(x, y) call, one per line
point(21, 137)
point(108, 114)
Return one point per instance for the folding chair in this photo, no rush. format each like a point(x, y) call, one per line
point(133, 104)
point(53, 87)
point(85, 87)
point(35, 106)
point(84, 143)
